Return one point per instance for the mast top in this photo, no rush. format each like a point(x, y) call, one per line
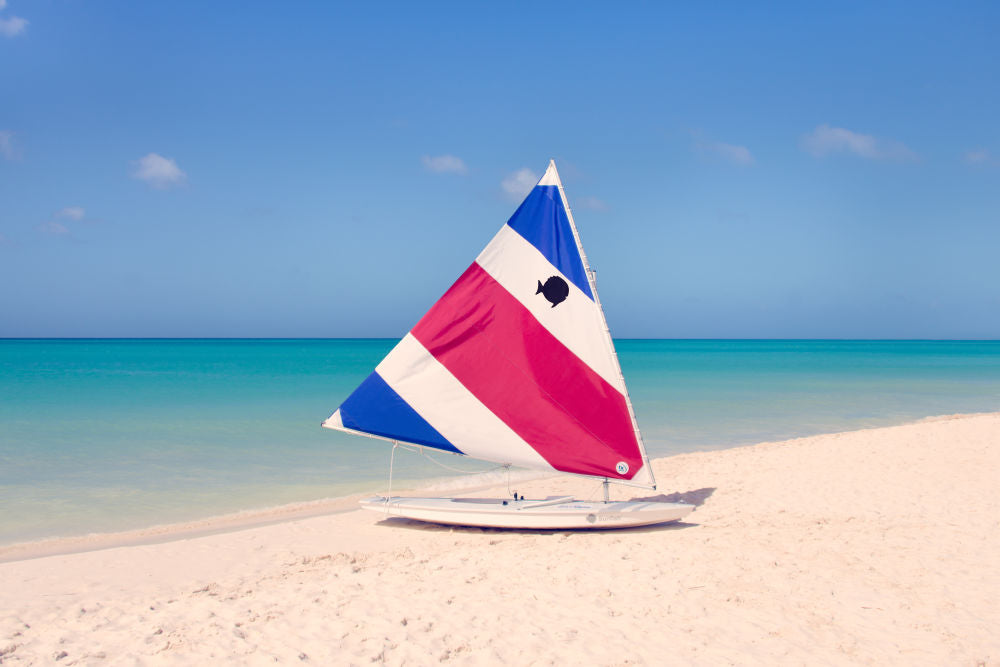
point(551, 176)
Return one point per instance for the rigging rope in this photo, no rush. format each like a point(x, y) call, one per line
point(467, 472)
point(392, 460)
point(421, 450)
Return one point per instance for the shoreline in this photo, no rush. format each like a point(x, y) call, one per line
point(271, 515)
point(861, 547)
point(106, 442)
point(231, 522)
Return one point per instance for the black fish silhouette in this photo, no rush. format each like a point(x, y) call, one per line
point(555, 290)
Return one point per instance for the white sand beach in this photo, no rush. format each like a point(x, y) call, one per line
point(875, 546)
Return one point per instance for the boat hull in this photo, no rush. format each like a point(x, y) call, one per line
point(551, 514)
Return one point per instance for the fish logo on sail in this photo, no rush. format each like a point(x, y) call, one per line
point(555, 290)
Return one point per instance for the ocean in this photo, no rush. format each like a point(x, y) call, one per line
point(103, 436)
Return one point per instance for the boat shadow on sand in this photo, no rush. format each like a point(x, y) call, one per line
point(696, 497)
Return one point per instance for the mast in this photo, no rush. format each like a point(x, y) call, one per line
point(592, 280)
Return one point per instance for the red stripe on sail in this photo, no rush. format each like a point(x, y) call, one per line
point(497, 349)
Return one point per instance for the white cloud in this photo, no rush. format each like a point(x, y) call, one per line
point(519, 183)
point(593, 203)
point(71, 212)
point(444, 164)
point(729, 152)
point(3, 3)
point(978, 156)
point(160, 172)
point(735, 154)
point(7, 148)
point(54, 228)
point(825, 140)
point(15, 25)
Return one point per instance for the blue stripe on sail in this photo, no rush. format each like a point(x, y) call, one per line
point(375, 408)
point(542, 221)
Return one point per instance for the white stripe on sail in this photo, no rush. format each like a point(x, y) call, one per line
point(334, 421)
point(551, 176)
point(644, 477)
point(453, 410)
point(576, 322)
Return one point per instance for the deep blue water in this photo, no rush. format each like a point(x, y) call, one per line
point(105, 435)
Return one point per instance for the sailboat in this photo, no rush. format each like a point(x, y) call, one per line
point(515, 365)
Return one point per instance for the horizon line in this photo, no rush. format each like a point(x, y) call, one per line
point(336, 338)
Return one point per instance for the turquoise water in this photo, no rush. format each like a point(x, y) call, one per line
point(108, 435)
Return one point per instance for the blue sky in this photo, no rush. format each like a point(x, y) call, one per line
point(312, 169)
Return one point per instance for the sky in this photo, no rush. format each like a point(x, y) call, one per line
point(251, 169)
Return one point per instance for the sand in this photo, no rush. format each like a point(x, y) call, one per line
point(875, 546)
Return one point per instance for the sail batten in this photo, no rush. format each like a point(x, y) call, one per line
point(514, 364)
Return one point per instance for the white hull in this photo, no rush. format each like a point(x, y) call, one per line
point(552, 513)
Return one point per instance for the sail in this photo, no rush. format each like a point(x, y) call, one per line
point(514, 364)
